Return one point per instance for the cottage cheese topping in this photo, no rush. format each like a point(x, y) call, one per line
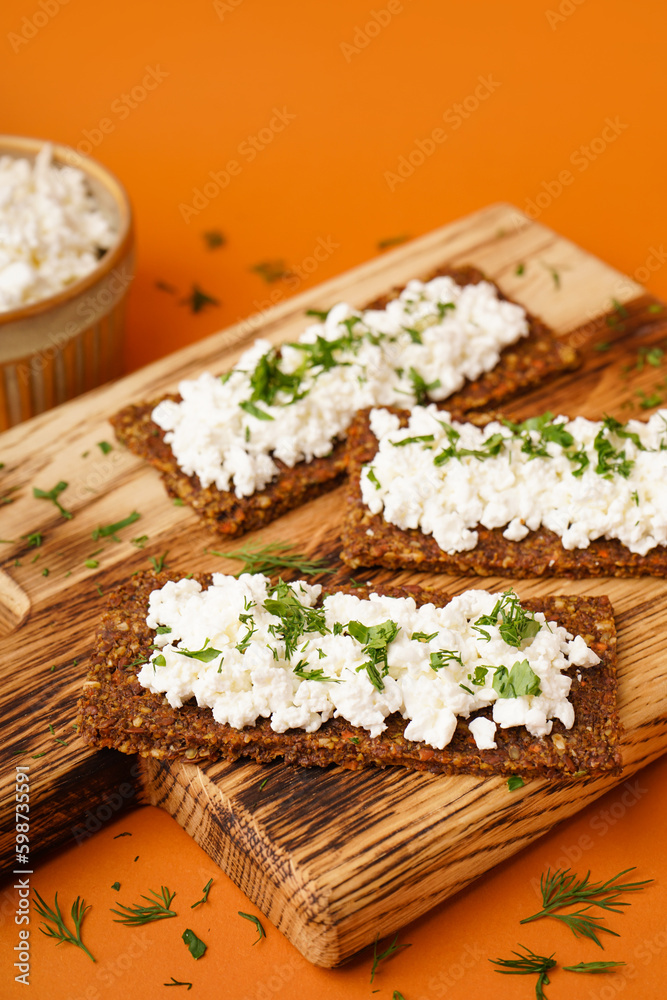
point(580, 479)
point(434, 667)
point(291, 406)
point(50, 229)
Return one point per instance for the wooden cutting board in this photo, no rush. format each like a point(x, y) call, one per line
point(333, 858)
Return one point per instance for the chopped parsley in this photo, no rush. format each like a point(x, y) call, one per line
point(420, 387)
point(491, 447)
point(198, 300)
point(610, 459)
point(320, 314)
point(271, 270)
point(53, 495)
point(213, 239)
point(415, 335)
point(444, 656)
point(520, 680)
point(423, 636)
point(255, 411)
point(312, 675)
point(109, 530)
point(158, 562)
point(615, 320)
point(413, 440)
point(514, 623)
point(34, 539)
point(195, 945)
point(649, 355)
point(370, 473)
point(268, 379)
point(546, 431)
point(104, 447)
point(375, 639)
point(647, 402)
point(555, 275)
point(205, 654)
point(392, 241)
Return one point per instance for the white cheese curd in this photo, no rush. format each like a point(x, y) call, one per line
point(579, 478)
point(293, 404)
point(51, 228)
point(359, 660)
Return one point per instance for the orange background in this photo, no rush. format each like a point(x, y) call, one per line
point(556, 73)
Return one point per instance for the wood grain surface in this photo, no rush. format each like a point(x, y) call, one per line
point(332, 858)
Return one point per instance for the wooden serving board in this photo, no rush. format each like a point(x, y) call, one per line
point(332, 857)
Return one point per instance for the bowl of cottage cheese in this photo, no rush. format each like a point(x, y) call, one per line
point(66, 264)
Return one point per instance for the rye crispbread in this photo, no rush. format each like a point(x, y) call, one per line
point(531, 361)
point(116, 711)
point(369, 540)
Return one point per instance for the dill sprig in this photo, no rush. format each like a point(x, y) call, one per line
point(205, 890)
point(59, 930)
point(271, 558)
point(390, 950)
point(295, 617)
point(527, 965)
point(593, 967)
point(138, 914)
point(564, 888)
point(254, 920)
